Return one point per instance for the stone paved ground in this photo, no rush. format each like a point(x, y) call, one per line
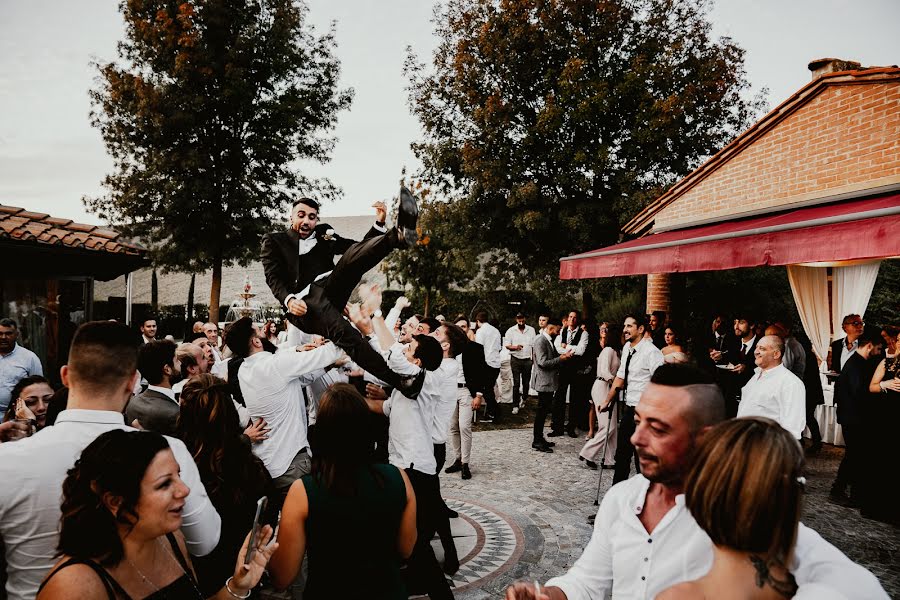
point(550, 496)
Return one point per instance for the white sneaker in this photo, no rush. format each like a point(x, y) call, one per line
point(515, 410)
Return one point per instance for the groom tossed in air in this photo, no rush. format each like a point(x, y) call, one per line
point(300, 271)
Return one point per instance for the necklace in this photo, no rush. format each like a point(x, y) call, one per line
point(156, 588)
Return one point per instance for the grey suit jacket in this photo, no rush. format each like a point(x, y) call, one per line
point(155, 411)
point(545, 374)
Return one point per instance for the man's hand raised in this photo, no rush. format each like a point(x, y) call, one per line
point(380, 211)
point(297, 307)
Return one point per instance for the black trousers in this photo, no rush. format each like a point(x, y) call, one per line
point(442, 520)
point(848, 471)
point(545, 403)
point(328, 297)
point(521, 374)
point(813, 425)
point(567, 379)
point(624, 450)
point(490, 398)
point(425, 572)
point(580, 400)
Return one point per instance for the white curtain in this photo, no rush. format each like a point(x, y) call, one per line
point(810, 288)
point(851, 288)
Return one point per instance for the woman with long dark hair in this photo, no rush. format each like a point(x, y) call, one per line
point(120, 528)
point(233, 476)
point(357, 518)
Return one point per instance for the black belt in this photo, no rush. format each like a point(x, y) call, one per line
point(604, 379)
point(461, 385)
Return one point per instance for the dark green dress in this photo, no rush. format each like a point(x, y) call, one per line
point(352, 541)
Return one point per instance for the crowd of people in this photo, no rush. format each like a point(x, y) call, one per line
point(146, 474)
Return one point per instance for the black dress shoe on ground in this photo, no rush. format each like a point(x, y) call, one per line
point(451, 514)
point(551, 444)
point(466, 473)
point(541, 447)
point(412, 385)
point(591, 464)
point(556, 434)
point(454, 468)
point(407, 217)
point(572, 434)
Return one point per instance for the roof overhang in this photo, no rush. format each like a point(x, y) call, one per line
point(847, 231)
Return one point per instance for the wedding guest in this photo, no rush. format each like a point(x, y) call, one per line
point(602, 438)
point(30, 397)
point(673, 351)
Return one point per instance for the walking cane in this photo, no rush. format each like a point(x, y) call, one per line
point(605, 445)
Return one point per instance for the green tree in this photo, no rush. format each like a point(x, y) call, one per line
point(205, 114)
point(439, 261)
point(555, 121)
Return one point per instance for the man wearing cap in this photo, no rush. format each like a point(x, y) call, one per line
point(518, 341)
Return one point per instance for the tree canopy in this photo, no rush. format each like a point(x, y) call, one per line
point(550, 123)
point(204, 113)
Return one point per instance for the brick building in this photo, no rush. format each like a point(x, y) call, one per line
point(795, 188)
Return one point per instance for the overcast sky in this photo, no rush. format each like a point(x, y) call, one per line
point(50, 156)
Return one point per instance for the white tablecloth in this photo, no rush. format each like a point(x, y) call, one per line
point(826, 416)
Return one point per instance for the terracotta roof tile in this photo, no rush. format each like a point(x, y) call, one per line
point(34, 227)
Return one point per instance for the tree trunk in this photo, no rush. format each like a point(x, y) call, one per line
point(154, 293)
point(189, 314)
point(215, 290)
point(587, 305)
point(427, 301)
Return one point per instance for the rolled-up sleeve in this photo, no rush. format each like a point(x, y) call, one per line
point(200, 524)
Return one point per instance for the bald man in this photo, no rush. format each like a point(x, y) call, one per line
point(773, 391)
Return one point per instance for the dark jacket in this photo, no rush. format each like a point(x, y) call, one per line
point(852, 389)
point(838, 347)
point(475, 369)
point(287, 272)
point(155, 412)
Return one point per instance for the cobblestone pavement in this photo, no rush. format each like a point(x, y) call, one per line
point(548, 497)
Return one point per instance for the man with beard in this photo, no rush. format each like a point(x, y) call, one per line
point(300, 271)
point(640, 359)
point(518, 340)
point(645, 539)
point(156, 408)
point(741, 356)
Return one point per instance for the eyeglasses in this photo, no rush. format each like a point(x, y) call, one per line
point(856, 323)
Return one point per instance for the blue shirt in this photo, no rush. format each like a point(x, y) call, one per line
point(19, 363)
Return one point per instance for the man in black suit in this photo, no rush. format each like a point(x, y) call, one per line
point(740, 354)
point(850, 393)
point(841, 349)
point(300, 271)
point(156, 408)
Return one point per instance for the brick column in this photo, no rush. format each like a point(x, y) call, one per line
point(658, 292)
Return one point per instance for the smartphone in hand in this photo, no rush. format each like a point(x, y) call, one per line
point(254, 533)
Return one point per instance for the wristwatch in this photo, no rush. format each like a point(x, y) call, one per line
point(377, 313)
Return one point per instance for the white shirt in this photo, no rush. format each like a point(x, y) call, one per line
point(645, 360)
point(169, 392)
point(33, 470)
point(489, 337)
point(516, 337)
point(578, 349)
point(622, 558)
point(777, 394)
point(272, 385)
point(411, 421)
point(845, 354)
point(446, 382)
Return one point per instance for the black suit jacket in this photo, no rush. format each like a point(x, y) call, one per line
point(838, 347)
point(749, 360)
point(287, 272)
point(155, 412)
point(475, 369)
point(852, 389)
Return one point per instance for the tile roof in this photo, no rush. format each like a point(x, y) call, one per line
point(27, 226)
point(643, 219)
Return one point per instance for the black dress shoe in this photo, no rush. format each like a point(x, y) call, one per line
point(571, 433)
point(551, 444)
point(451, 514)
point(454, 468)
point(591, 464)
point(412, 385)
point(541, 447)
point(451, 562)
point(466, 473)
point(556, 434)
point(407, 217)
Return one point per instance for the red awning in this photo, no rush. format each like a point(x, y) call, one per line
point(858, 229)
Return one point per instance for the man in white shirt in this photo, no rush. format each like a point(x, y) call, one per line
point(572, 340)
point(773, 391)
point(272, 386)
point(488, 336)
point(640, 359)
point(645, 540)
point(518, 340)
point(100, 375)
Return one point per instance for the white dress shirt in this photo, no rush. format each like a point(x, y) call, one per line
point(578, 349)
point(845, 353)
point(778, 394)
point(623, 559)
point(32, 471)
point(489, 337)
point(411, 421)
point(272, 385)
point(520, 337)
point(644, 362)
point(446, 381)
